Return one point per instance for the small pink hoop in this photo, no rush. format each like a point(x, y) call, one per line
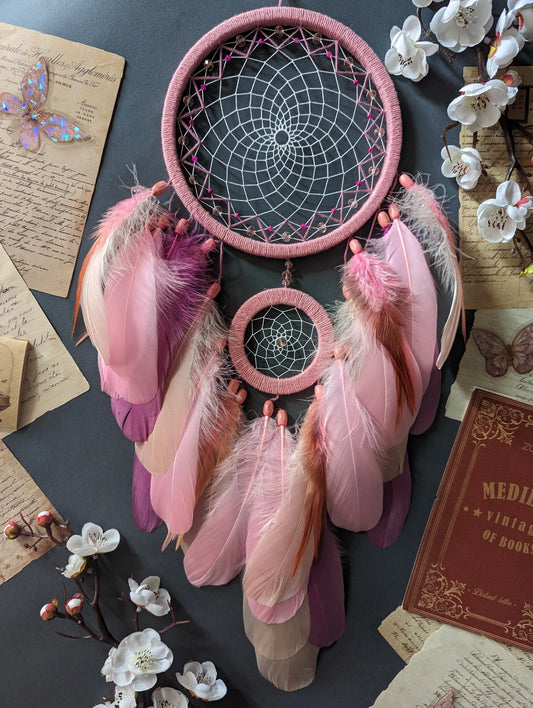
point(289, 17)
point(271, 298)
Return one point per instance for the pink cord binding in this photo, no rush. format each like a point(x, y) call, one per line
point(287, 16)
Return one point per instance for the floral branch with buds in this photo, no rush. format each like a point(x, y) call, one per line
point(455, 26)
point(134, 662)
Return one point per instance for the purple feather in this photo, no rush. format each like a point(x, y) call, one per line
point(326, 593)
point(430, 402)
point(189, 280)
point(144, 516)
point(396, 501)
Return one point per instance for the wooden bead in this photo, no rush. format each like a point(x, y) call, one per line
point(281, 418)
point(268, 408)
point(406, 181)
point(383, 219)
point(159, 188)
point(355, 246)
point(394, 212)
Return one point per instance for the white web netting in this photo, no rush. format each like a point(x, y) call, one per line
point(280, 341)
point(281, 134)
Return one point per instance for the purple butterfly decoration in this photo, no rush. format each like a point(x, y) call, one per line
point(34, 121)
point(499, 356)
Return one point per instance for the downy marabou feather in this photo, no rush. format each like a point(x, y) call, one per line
point(275, 531)
point(379, 299)
point(424, 216)
point(217, 551)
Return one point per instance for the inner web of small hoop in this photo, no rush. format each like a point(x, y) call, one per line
point(281, 134)
point(281, 341)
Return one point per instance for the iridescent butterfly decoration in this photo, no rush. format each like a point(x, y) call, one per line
point(499, 356)
point(34, 121)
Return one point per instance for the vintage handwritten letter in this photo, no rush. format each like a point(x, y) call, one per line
point(481, 672)
point(19, 494)
point(45, 196)
point(406, 632)
point(472, 373)
point(51, 377)
point(490, 270)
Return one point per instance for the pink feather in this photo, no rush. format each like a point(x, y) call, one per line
point(278, 640)
point(425, 217)
point(217, 551)
point(275, 531)
point(292, 673)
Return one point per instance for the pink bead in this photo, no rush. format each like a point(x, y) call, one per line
point(234, 386)
point(182, 227)
point(268, 408)
point(355, 246)
point(394, 212)
point(406, 181)
point(241, 396)
point(281, 418)
point(213, 291)
point(159, 188)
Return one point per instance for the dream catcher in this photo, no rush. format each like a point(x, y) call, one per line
point(281, 135)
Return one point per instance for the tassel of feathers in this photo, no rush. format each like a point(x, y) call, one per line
point(424, 216)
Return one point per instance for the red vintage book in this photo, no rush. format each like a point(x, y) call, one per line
point(474, 567)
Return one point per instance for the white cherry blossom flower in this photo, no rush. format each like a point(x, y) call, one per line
point(149, 596)
point(462, 163)
point(481, 105)
point(93, 540)
point(511, 78)
point(522, 11)
point(124, 698)
point(201, 680)
point(505, 45)
point(499, 218)
point(422, 3)
point(75, 565)
point(137, 660)
point(462, 23)
point(169, 698)
point(407, 55)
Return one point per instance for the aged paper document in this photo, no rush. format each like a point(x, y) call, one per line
point(45, 196)
point(19, 494)
point(472, 373)
point(406, 632)
point(481, 672)
point(51, 376)
point(13, 355)
point(489, 270)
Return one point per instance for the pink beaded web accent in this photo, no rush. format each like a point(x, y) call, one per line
point(281, 132)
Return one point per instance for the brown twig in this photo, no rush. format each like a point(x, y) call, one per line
point(514, 164)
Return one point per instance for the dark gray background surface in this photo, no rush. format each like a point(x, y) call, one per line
point(78, 455)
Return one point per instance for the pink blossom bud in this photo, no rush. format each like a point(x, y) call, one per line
point(49, 610)
point(74, 606)
point(12, 530)
point(44, 518)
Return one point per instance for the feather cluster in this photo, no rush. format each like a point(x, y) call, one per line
point(255, 497)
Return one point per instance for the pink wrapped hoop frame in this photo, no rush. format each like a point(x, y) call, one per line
point(270, 298)
point(317, 22)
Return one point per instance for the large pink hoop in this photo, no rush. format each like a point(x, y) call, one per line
point(271, 298)
point(286, 16)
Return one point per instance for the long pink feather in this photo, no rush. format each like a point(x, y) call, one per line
point(275, 531)
point(354, 481)
point(131, 307)
point(217, 551)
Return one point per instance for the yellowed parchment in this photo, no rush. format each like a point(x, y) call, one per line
point(481, 673)
point(51, 376)
point(407, 632)
point(472, 373)
point(19, 494)
point(45, 197)
point(490, 270)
